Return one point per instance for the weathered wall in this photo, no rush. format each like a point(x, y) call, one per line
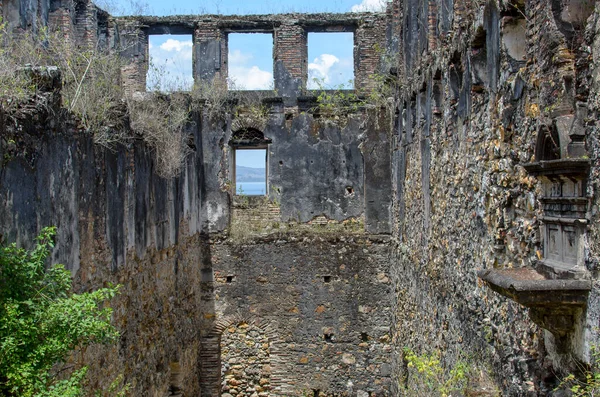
point(118, 222)
point(324, 301)
point(481, 79)
point(290, 52)
point(478, 83)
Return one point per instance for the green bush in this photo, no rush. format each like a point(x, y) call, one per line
point(427, 377)
point(587, 384)
point(42, 322)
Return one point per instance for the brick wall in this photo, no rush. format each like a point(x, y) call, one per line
point(86, 24)
point(133, 46)
point(210, 42)
point(369, 40)
point(290, 52)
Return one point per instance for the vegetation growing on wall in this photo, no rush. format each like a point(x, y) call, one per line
point(161, 120)
point(91, 88)
point(428, 377)
point(587, 382)
point(42, 321)
point(335, 104)
point(91, 91)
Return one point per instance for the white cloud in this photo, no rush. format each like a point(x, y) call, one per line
point(237, 57)
point(170, 65)
point(320, 69)
point(330, 72)
point(176, 45)
point(250, 78)
point(243, 75)
point(369, 5)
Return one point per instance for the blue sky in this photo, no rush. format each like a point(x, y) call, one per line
point(251, 158)
point(250, 55)
point(230, 7)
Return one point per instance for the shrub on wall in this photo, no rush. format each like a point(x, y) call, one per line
point(42, 321)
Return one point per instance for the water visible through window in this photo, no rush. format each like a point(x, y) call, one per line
point(251, 172)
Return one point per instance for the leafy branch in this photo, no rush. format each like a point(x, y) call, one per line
point(42, 321)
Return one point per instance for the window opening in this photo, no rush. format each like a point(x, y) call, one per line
point(250, 61)
point(331, 61)
point(170, 63)
point(251, 171)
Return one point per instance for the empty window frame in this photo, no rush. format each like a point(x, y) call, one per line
point(331, 61)
point(170, 63)
point(250, 61)
point(250, 170)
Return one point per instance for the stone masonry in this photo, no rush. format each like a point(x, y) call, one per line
point(462, 222)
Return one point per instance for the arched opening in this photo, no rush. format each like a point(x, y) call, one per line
point(248, 137)
point(479, 66)
point(548, 145)
point(245, 361)
point(571, 17)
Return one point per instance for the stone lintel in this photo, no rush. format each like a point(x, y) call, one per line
point(561, 167)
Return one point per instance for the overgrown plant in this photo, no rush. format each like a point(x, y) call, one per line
point(336, 103)
point(161, 79)
point(91, 85)
point(428, 377)
point(588, 383)
point(42, 322)
point(161, 121)
point(91, 90)
point(15, 87)
point(211, 96)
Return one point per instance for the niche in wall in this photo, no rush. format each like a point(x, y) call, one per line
point(556, 289)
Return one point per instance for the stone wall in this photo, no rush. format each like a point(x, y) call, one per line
point(321, 295)
point(323, 300)
point(481, 79)
point(245, 364)
point(484, 88)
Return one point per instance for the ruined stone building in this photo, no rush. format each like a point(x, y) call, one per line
point(459, 215)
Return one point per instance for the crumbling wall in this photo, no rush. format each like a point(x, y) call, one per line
point(117, 223)
point(290, 33)
point(480, 80)
point(322, 298)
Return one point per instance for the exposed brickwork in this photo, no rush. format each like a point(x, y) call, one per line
point(290, 52)
point(86, 24)
point(368, 51)
point(134, 47)
point(61, 21)
point(209, 31)
point(291, 49)
point(259, 211)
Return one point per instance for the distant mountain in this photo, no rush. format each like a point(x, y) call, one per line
point(249, 174)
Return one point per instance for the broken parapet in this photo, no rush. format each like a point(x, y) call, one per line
point(290, 33)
